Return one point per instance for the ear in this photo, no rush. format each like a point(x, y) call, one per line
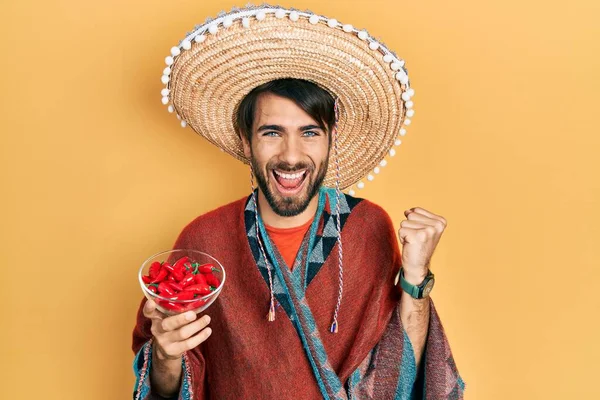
point(246, 145)
point(332, 134)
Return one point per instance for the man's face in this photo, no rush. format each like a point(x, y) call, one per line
point(289, 154)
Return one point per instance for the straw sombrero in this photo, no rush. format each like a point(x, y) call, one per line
point(223, 59)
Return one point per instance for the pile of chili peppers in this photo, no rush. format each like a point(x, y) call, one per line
point(182, 280)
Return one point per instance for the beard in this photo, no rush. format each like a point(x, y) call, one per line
point(290, 206)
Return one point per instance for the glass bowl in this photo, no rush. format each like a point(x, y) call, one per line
point(170, 297)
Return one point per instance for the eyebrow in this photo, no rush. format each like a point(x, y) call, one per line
point(282, 129)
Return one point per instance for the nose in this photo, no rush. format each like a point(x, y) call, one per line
point(291, 151)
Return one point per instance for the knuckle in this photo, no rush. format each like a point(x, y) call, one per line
point(190, 344)
point(164, 324)
point(180, 319)
point(185, 332)
point(185, 345)
point(430, 230)
point(160, 341)
point(190, 329)
point(203, 324)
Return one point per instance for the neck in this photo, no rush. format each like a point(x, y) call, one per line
point(270, 218)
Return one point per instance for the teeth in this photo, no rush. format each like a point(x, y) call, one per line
point(290, 176)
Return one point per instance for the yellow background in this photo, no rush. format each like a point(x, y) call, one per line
point(97, 176)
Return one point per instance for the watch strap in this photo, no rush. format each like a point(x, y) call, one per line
point(414, 291)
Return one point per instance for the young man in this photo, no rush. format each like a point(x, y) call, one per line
point(311, 308)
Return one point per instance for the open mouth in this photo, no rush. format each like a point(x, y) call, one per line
point(289, 183)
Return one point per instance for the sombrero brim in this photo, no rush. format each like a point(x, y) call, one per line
point(223, 60)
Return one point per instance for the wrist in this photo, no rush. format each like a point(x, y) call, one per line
point(414, 276)
point(160, 356)
point(418, 287)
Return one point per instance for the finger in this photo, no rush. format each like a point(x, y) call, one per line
point(426, 213)
point(416, 224)
point(421, 221)
point(177, 321)
point(423, 211)
point(149, 308)
point(186, 331)
point(151, 312)
point(194, 340)
point(408, 235)
point(422, 218)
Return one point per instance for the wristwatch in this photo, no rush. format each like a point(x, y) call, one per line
point(417, 292)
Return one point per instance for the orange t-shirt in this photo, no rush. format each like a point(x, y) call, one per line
point(288, 240)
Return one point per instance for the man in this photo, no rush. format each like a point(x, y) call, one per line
point(323, 264)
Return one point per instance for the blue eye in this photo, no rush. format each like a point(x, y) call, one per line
point(271, 134)
point(311, 133)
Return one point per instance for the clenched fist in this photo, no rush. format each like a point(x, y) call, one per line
point(419, 235)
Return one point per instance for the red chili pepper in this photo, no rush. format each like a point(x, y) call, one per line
point(154, 269)
point(171, 278)
point(185, 295)
point(170, 305)
point(175, 285)
point(165, 289)
point(153, 289)
point(200, 279)
point(198, 288)
point(212, 280)
point(180, 263)
point(161, 276)
point(178, 273)
point(146, 279)
point(196, 304)
point(168, 267)
point(207, 268)
point(188, 280)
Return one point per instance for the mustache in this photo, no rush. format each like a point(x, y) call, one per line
point(285, 167)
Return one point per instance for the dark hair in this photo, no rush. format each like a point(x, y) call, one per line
point(315, 101)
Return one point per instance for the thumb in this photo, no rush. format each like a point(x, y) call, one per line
point(149, 308)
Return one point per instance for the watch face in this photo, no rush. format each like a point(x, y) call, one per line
point(427, 288)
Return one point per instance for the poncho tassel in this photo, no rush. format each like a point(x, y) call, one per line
point(334, 327)
point(271, 314)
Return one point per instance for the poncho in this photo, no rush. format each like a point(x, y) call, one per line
point(296, 356)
